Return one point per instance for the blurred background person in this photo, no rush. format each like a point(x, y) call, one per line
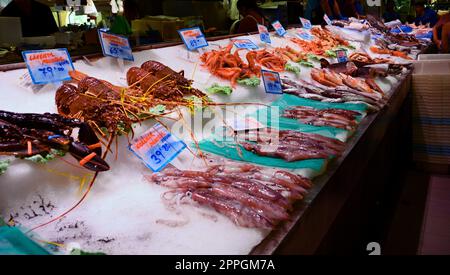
point(351, 8)
point(441, 33)
point(315, 10)
point(424, 15)
point(251, 15)
point(36, 18)
point(390, 14)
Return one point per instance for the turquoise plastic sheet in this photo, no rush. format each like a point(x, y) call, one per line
point(237, 152)
point(234, 151)
point(286, 101)
point(14, 242)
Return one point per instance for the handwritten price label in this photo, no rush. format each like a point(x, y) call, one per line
point(279, 28)
point(272, 82)
point(341, 55)
point(46, 66)
point(157, 147)
point(305, 35)
point(115, 45)
point(193, 38)
point(305, 23)
point(264, 34)
point(244, 44)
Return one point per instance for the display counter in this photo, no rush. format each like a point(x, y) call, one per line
point(124, 213)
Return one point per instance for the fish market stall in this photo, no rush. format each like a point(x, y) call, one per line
point(267, 172)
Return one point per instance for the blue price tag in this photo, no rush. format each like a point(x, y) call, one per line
point(305, 23)
point(272, 82)
point(193, 38)
point(115, 45)
point(46, 66)
point(327, 19)
point(279, 28)
point(341, 55)
point(305, 35)
point(157, 147)
point(264, 34)
point(244, 44)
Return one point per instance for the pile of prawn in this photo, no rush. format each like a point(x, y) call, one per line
point(323, 41)
point(230, 66)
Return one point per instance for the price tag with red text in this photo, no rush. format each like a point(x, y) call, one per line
point(264, 34)
point(244, 44)
point(272, 82)
point(157, 147)
point(341, 55)
point(115, 45)
point(46, 66)
point(306, 24)
point(305, 35)
point(279, 28)
point(193, 38)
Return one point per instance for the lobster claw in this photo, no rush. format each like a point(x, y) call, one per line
point(87, 136)
point(80, 151)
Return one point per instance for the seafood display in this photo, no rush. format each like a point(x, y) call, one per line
point(97, 104)
point(290, 54)
point(224, 64)
point(339, 118)
point(262, 171)
point(332, 79)
point(323, 41)
point(270, 60)
point(396, 53)
point(26, 135)
point(156, 81)
point(289, 145)
point(336, 94)
point(248, 195)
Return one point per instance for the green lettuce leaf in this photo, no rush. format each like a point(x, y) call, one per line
point(3, 166)
point(291, 68)
point(158, 109)
point(49, 157)
point(306, 64)
point(216, 89)
point(330, 53)
point(313, 57)
point(252, 81)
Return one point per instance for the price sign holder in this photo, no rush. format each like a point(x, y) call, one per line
point(116, 46)
point(306, 24)
point(279, 29)
point(327, 19)
point(305, 35)
point(157, 147)
point(48, 66)
point(272, 82)
point(244, 44)
point(193, 38)
point(264, 34)
point(341, 55)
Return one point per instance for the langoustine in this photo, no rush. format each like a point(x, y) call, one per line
point(250, 196)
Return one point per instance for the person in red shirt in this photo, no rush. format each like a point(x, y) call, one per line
point(251, 16)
